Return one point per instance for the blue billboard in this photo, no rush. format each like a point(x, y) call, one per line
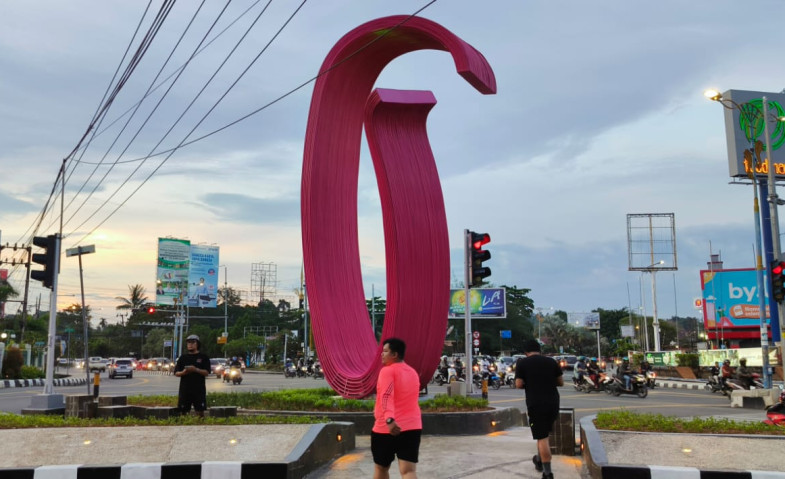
point(731, 303)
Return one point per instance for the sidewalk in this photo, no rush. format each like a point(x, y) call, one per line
point(505, 454)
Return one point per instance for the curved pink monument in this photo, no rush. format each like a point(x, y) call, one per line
point(415, 226)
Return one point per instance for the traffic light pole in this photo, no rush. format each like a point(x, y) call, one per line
point(49, 400)
point(468, 367)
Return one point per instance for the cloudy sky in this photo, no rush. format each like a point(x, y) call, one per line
point(599, 114)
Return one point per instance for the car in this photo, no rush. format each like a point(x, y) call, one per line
point(216, 364)
point(141, 365)
point(121, 367)
point(567, 361)
point(96, 363)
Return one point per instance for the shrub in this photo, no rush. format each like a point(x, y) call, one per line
point(645, 422)
point(690, 360)
point(31, 372)
point(12, 363)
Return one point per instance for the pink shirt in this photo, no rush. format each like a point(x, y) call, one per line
point(397, 396)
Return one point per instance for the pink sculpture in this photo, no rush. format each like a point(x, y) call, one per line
point(415, 226)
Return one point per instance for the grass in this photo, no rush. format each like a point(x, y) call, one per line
point(645, 422)
point(320, 399)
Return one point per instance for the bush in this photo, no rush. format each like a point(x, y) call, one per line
point(690, 360)
point(12, 363)
point(32, 372)
point(624, 420)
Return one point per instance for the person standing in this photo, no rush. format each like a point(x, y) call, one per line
point(540, 376)
point(397, 418)
point(192, 368)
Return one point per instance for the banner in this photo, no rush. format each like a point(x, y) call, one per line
point(203, 276)
point(483, 303)
point(584, 320)
point(174, 256)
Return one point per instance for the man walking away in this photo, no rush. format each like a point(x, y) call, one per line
point(398, 422)
point(540, 376)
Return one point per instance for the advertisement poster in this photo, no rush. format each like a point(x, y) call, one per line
point(203, 276)
point(483, 303)
point(171, 285)
point(584, 320)
point(730, 302)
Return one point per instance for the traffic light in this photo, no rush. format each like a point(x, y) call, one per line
point(47, 259)
point(777, 270)
point(477, 272)
point(151, 310)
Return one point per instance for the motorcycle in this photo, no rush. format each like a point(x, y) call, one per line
point(290, 371)
point(509, 377)
point(776, 413)
point(714, 384)
point(233, 374)
point(739, 385)
point(302, 371)
point(317, 371)
point(588, 384)
point(651, 379)
point(493, 379)
point(637, 383)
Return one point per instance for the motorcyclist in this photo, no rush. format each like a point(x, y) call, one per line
point(594, 371)
point(645, 367)
point(444, 364)
point(236, 363)
point(726, 372)
point(459, 367)
point(744, 374)
point(624, 371)
point(579, 370)
point(715, 370)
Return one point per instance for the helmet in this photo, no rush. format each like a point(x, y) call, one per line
point(743, 361)
point(581, 358)
point(593, 359)
point(625, 358)
point(234, 358)
point(727, 361)
point(192, 337)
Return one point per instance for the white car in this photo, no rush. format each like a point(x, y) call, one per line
point(96, 363)
point(121, 367)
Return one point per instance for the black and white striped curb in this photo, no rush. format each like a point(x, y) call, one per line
point(223, 470)
point(665, 383)
point(596, 462)
point(26, 383)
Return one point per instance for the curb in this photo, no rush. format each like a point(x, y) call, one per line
point(26, 383)
point(320, 445)
point(681, 384)
point(596, 462)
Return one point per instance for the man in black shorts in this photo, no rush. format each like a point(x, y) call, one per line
point(192, 368)
point(540, 376)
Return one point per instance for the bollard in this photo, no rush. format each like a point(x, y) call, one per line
point(96, 384)
point(485, 389)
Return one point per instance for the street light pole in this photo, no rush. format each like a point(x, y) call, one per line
point(79, 251)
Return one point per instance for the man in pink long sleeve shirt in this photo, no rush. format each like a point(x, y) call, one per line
point(398, 421)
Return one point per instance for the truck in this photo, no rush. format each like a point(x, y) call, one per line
point(96, 363)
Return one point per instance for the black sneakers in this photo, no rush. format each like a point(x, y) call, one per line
point(538, 464)
point(547, 475)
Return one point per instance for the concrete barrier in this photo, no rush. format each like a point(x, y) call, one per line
point(754, 398)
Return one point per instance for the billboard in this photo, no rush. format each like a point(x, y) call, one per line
point(171, 278)
point(731, 304)
point(584, 320)
point(483, 303)
point(203, 276)
point(742, 129)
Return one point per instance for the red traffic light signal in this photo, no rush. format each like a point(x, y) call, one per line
point(151, 310)
point(777, 270)
point(478, 272)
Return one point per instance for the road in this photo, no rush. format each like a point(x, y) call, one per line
point(670, 402)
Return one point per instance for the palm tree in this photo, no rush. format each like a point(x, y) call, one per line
point(137, 298)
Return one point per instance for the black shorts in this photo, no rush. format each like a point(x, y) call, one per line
point(405, 445)
point(197, 400)
point(541, 419)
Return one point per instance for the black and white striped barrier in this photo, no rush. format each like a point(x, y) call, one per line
point(223, 470)
point(26, 383)
point(665, 383)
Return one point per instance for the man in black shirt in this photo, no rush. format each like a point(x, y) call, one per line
point(192, 368)
point(540, 376)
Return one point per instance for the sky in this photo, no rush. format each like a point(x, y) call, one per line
point(599, 114)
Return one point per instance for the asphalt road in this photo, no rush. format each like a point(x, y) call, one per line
point(671, 402)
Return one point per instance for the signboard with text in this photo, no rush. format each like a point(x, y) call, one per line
point(731, 304)
point(483, 303)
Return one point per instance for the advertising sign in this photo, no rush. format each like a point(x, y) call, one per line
point(203, 276)
point(174, 256)
point(730, 303)
point(745, 124)
point(584, 320)
point(483, 303)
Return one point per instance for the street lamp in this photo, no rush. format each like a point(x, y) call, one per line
point(226, 297)
point(79, 251)
point(751, 113)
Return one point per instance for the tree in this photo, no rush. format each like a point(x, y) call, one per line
point(136, 299)
point(230, 296)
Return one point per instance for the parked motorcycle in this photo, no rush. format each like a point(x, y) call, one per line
point(637, 383)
